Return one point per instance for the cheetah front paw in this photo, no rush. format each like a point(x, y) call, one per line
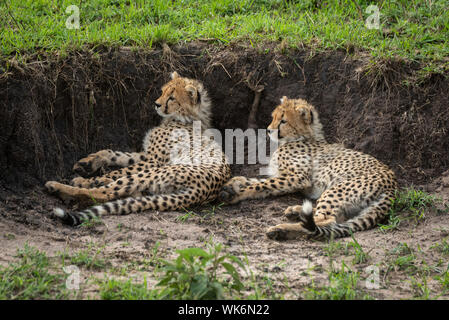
point(87, 166)
point(57, 189)
point(52, 186)
point(231, 191)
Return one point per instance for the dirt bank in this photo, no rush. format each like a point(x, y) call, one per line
point(57, 109)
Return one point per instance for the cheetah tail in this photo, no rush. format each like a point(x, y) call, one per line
point(333, 230)
point(366, 219)
point(124, 206)
point(66, 217)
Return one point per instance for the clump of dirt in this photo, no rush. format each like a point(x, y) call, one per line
point(57, 109)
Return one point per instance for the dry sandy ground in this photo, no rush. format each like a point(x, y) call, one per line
point(290, 265)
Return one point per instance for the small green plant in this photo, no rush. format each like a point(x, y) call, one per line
point(443, 279)
point(212, 209)
point(393, 222)
point(404, 259)
point(89, 258)
point(402, 249)
point(9, 236)
point(442, 247)
point(342, 286)
point(32, 277)
point(200, 274)
point(91, 223)
point(205, 214)
point(154, 254)
point(262, 286)
point(186, 216)
point(360, 256)
point(407, 262)
point(420, 287)
point(334, 247)
point(112, 289)
point(414, 202)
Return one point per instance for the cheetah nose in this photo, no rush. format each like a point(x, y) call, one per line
point(157, 105)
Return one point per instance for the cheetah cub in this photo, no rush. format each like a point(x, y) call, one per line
point(353, 190)
point(180, 164)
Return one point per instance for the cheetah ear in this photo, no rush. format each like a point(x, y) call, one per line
point(283, 99)
point(174, 75)
point(193, 93)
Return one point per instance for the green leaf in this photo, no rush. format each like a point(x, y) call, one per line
point(199, 287)
point(192, 252)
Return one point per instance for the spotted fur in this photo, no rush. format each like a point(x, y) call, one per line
point(175, 170)
point(353, 190)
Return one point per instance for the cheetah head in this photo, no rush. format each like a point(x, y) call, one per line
point(295, 119)
point(185, 100)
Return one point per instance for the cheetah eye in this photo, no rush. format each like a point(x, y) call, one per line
point(170, 98)
point(283, 121)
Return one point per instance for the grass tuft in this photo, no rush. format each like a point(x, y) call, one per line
point(412, 202)
point(342, 286)
point(32, 277)
point(417, 30)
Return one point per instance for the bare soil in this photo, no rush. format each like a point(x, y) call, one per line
point(57, 109)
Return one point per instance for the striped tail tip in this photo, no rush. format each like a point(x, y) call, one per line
point(66, 217)
point(307, 216)
point(60, 213)
point(307, 207)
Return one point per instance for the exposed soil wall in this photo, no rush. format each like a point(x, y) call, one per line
point(56, 110)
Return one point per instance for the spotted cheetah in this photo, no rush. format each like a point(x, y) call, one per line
point(181, 165)
point(353, 190)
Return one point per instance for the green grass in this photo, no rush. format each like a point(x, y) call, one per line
point(89, 258)
point(417, 30)
point(91, 223)
point(333, 248)
point(342, 286)
point(360, 256)
point(113, 289)
point(203, 216)
point(32, 277)
point(403, 258)
point(443, 279)
point(408, 204)
point(263, 287)
point(195, 274)
point(420, 287)
point(442, 247)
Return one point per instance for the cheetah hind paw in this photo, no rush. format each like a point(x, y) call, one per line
point(288, 231)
